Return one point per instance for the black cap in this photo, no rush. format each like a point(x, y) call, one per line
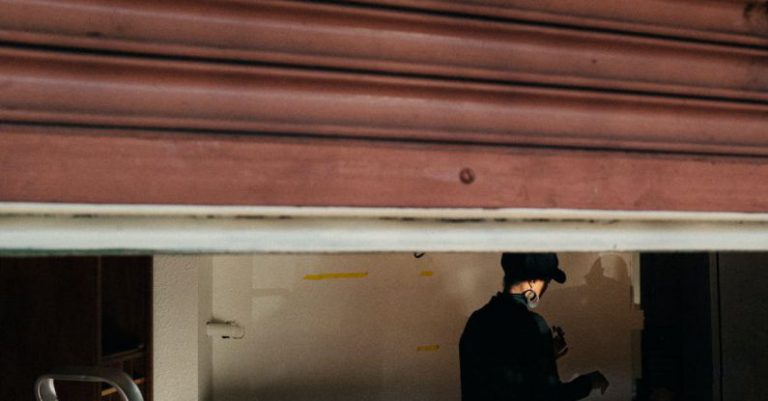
point(531, 266)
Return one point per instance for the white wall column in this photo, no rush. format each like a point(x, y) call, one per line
point(182, 357)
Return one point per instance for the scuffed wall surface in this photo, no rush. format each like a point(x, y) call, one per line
point(204, 343)
point(181, 305)
point(386, 326)
point(345, 338)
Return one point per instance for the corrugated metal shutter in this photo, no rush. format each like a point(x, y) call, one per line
point(652, 105)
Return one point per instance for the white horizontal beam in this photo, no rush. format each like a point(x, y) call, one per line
point(81, 209)
point(152, 229)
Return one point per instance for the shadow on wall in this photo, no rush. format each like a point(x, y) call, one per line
point(595, 309)
point(388, 330)
point(387, 326)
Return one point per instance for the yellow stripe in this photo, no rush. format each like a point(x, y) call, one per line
point(426, 273)
point(330, 276)
point(427, 348)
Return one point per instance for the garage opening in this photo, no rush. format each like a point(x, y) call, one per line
point(376, 326)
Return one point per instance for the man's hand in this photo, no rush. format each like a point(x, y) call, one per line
point(558, 342)
point(598, 381)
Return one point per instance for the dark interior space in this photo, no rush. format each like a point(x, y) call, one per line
point(74, 311)
point(677, 357)
point(706, 326)
point(704, 335)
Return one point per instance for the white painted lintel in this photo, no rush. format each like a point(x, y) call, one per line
point(115, 229)
point(81, 209)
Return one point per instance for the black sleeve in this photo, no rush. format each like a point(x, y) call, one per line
point(531, 370)
point(511, 384)
point(474, 380)
point(576, 389)
point(512, 360)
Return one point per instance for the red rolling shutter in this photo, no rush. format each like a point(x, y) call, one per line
point(620, 105)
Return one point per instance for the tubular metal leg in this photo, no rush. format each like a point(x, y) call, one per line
point(128, 390)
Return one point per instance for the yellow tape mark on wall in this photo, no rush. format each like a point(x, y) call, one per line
point(427, 348)
point(426, 273)
point(331, 276)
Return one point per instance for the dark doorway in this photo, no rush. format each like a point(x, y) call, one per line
point(677, 358)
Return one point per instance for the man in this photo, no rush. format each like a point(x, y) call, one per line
point(508, 352)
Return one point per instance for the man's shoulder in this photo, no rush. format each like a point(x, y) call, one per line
point(485, 312)
point(479, 318)
point(492, 313)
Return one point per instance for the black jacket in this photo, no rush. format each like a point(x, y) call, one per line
point(507, 354)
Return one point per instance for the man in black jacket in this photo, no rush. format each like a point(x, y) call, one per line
point(508, 352)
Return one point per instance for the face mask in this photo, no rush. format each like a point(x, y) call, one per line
point(531, 298)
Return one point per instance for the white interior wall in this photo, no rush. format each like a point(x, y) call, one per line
point(386, 326)
point(182, 353)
